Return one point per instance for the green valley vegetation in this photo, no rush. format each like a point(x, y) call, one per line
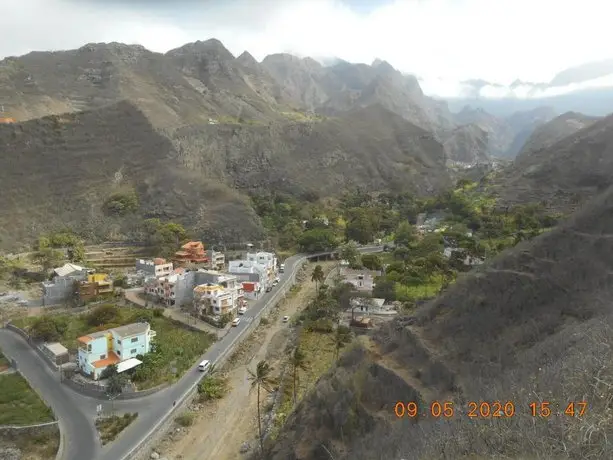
point(174, 349)
point(462, 227)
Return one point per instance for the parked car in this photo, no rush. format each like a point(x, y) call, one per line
point(275, 282)
point(281, 268)
point(285, 319)
point(269, 288)
point(242, 310)
point(236, 322)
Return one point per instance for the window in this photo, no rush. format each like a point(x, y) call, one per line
point(89, 348)
point(102, 356)
point(119, 352)
point(134, 339)
point(118, 342)
point(133, 351)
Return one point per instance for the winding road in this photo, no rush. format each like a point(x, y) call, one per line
point(77, 413)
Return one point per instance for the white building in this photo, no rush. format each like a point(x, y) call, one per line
point(156, 267)
point(215, 299)
point(246, 270)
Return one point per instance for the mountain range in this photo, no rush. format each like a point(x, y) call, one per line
point(196, 130)
point(587, 88)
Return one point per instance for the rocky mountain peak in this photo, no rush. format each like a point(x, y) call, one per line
point(210, 48)
point(247, 60)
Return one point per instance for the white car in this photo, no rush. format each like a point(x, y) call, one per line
point(275, 282)
point(236, 322)
point(242, 310)
point(285, 319)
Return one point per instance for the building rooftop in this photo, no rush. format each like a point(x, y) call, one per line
point(89, 337)
point(112, 359)
point(159, 261)
point(56, 348)
point(67, 269)
point(131, 329)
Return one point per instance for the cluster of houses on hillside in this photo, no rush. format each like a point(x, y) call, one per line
point(202, 279)
point(194, 276)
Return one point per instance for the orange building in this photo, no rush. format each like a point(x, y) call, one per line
point(191, 253)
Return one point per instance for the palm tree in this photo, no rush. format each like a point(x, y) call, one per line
point(261, 379)
point(340, 338)
point(317, 276)
point(298, 362)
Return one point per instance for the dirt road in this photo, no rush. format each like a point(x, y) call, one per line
point(222, 427)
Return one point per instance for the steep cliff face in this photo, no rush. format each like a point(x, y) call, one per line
point(557, 129)
point(370, 147)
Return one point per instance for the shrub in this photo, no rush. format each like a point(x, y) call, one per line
point(119, 204)
point(158, 312)
point(212, 387)
point(186, 419)
point(102, 315)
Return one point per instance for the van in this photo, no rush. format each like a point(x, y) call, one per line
point(204, 365)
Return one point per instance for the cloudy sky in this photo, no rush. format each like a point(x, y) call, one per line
point(438, 40)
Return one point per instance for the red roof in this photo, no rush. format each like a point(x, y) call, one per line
point(249, 286)
point(159, 261)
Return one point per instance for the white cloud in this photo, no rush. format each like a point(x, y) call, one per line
point(439, 40)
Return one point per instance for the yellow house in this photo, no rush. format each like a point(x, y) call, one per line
point(97, 284)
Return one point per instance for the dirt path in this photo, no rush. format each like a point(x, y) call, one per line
point(222, 427)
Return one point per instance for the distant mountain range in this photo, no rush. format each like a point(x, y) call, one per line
point(587, 89)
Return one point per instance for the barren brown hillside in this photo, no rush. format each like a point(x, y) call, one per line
point(566, 173)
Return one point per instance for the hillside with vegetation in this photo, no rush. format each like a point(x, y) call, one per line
point(517, 349)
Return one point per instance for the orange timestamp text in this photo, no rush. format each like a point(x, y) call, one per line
point(485, 409)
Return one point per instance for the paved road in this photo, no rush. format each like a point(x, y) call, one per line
point(76, 421)
point(80, 439)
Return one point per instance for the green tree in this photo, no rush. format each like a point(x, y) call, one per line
point(108, 372)
point(361, 225)
point(45, 329)
point(102, 315)
point(372, 261)
point(318, 276)
point(349, 252)
point(261, 378)
point(121, 203)
point(405, 234)
point(317, 240)
point(164, 237)
point(298, 362)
